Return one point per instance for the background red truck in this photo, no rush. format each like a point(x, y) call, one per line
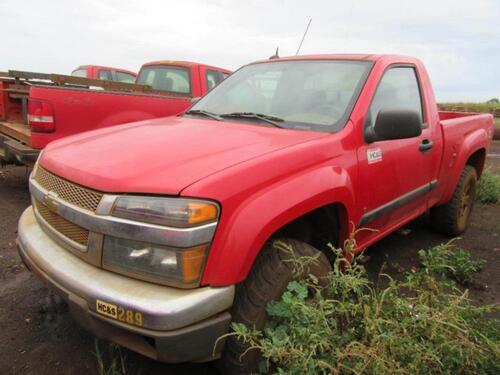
point(104, 72)
point(36, 109)
point(291, 153)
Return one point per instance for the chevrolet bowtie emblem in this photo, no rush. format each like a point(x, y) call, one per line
point(51, 201)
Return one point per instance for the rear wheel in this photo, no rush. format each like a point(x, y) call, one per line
point(452, 218)
point(266, 282)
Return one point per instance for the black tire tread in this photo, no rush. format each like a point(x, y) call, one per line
point(444, 218)
point(266, 281)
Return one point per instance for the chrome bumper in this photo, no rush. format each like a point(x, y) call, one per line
point(163, 308)
point(179, 325)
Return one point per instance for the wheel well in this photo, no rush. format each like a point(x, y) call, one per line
point(477, 160)
point(319, 228)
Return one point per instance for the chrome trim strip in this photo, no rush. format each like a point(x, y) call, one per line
point(395, 203)
point(163, 308)
point(123, 228)
point(106, 204)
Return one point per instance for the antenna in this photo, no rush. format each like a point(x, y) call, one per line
point(304, 36)
point(275, 56)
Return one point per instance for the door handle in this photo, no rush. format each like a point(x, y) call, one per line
point(426, 145)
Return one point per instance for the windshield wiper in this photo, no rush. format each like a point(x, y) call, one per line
point(273, 120)
point(203, 113)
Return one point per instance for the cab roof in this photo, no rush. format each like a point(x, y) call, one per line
point(104, 67)
point(185, 64)
point(359, 57)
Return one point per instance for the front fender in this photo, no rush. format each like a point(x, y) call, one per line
point(243, 232)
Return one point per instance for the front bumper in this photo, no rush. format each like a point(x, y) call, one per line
point(179, 325)
point(14, 152)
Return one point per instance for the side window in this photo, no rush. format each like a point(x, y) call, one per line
point(125, 77)
point(179, 79)
point(166, 78)
point(213, 78)
point(398, 89)
point(105, 74)
point(79, 73)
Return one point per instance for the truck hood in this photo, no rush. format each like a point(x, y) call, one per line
point(162, 156)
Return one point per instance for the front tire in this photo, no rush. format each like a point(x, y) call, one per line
point(452, 218)
point(266, 282)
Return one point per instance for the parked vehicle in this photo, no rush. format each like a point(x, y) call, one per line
point(104, 72)
point(159, 234)
point(36, 108)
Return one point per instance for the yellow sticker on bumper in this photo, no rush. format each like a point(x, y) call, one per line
point(119, 313)
point(107, 309)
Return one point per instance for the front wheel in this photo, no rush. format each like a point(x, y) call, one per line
point(266, 282)
point(452, 218)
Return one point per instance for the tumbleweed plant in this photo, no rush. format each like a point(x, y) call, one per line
point(423, 324)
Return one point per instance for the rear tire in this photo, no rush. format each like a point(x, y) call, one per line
point(266, 282)
point(452, 218)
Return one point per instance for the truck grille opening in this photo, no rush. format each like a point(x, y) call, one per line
point(63, 226)
point(77, 195)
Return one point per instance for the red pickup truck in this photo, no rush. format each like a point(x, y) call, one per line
point(161, 233)
point(104, 72)
point(36, 108)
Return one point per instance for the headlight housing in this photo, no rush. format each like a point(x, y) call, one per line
point(156, 263)
point(173, 212)
point(174, 266)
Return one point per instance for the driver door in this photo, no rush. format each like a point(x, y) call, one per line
point(395, 175)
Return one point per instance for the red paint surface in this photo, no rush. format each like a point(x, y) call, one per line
point(77, 110)
point(266, 177)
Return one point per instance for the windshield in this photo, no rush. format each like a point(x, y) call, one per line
point(310, 95)
point(166, 78)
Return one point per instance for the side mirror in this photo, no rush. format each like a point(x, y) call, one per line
point(395, 124)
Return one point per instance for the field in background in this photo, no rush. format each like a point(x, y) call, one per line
point(493, 108)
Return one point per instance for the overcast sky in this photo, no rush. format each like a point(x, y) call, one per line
point(459, 41)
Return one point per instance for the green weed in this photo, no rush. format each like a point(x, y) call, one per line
point(112, 360)
point(450, 261)
point(488, 188)
point(423, 324)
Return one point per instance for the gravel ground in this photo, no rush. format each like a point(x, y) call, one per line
point(39, 337)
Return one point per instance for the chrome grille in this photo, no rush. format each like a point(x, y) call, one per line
point(63, 226)
point(77, 195)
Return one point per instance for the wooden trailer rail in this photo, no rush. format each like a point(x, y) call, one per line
point(32, 78)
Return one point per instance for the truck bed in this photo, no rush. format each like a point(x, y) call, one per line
point(81, 109)
point(79, 104)
point(450, 115)
point(16, 130)
point(15, 144)
point(457, 128)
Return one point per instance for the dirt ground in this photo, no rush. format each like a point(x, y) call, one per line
point(38, 336)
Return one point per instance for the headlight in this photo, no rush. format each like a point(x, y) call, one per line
point(174, 212)
point(155, 263)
